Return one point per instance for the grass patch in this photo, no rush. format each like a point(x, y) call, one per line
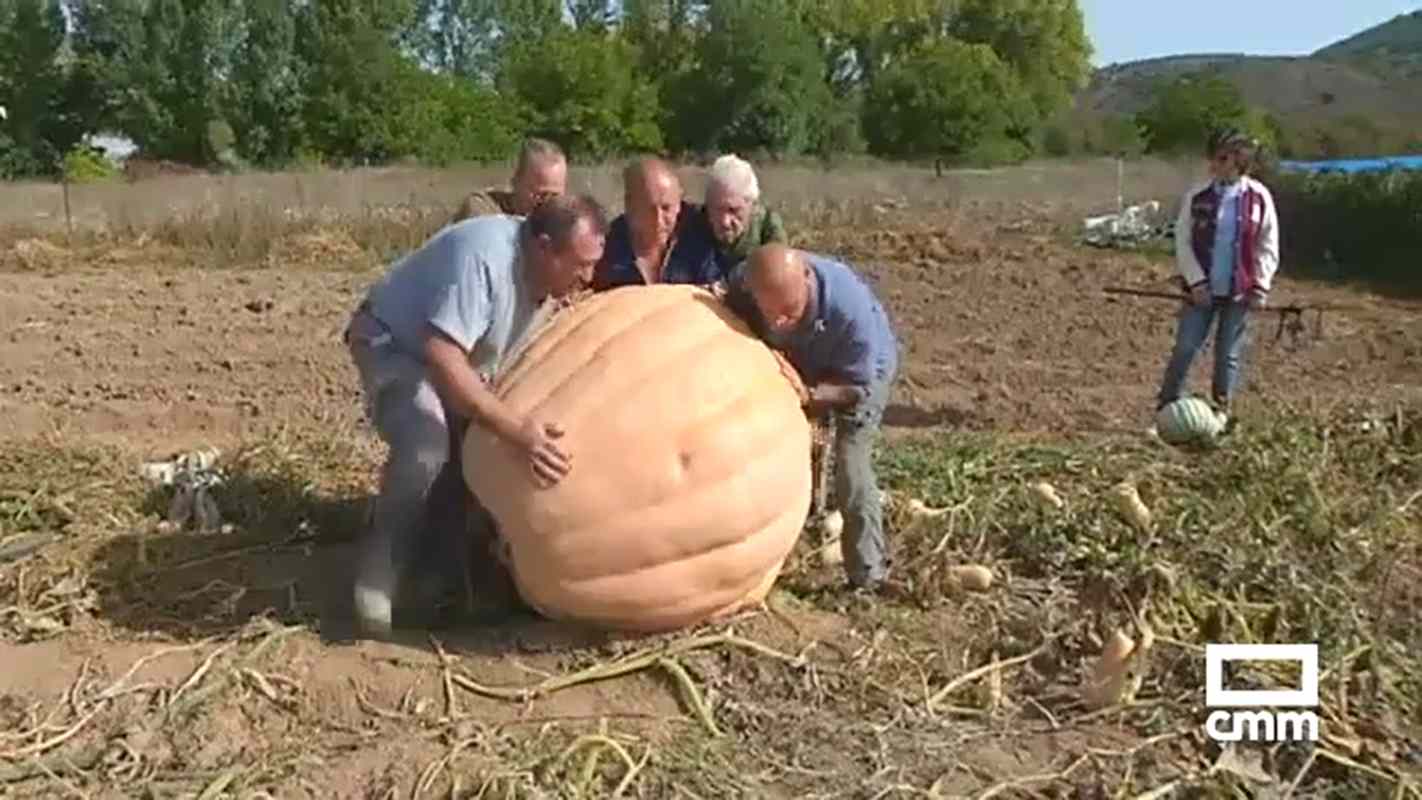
point(1300, 529)
point(93, 524)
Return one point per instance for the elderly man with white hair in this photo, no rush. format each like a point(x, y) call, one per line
point(738, 220)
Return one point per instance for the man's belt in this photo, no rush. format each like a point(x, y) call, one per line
point(384, 337)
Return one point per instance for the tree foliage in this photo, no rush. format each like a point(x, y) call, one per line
point(862, 37)
point(758, 82)
point(40, 126)
point(590, 95)
point(1043, 41)
point(156, 70)
point(945, 100)
point(266, 96)
point(268, 82)
point(1185, 110)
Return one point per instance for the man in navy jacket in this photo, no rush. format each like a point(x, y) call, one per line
point(659, 238)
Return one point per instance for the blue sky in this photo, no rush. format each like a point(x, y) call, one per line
point(1127, 30)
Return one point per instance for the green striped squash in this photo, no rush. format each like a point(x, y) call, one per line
point(1188, 420)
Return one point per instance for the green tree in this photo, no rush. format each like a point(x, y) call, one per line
point(592, 15)
point(156, 70)
point(1257, 124)
point(527, 21)
point(946, 100)
point(1044, 41)
point(40, 127)
point(1184, 111)
point(1121, 136)
point(105, 40)
point(758, 82)
point(583, 89)
point(444, 119)
point(1284, 144)
point(266, 92)
point(862, 37)
point(663, 33)
point(1056, 140)
point(354, 75)
point(457, 36)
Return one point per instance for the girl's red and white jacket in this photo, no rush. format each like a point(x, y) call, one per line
point(1256, 244)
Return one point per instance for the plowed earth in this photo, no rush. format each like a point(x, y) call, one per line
point(1004, 330)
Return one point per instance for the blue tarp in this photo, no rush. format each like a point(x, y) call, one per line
point(1352, 165)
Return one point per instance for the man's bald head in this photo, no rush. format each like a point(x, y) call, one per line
point(779, 279)
point(652, 196)
point(649, 172)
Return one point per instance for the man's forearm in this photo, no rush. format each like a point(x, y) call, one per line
point(469, 397)
point(462, 388)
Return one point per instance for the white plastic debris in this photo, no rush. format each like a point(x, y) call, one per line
point(192, 476)
point(1132, 226)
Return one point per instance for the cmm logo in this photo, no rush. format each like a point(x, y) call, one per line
point(1259, 725)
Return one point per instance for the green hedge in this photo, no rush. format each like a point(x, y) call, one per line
point(1364, 228)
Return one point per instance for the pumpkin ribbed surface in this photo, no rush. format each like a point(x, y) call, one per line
point(690, 478)
point(1188, 420)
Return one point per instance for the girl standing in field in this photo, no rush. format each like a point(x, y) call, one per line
point(1227, 252)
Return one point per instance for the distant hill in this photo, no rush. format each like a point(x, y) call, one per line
point(1394, 46)
point(1372, 78)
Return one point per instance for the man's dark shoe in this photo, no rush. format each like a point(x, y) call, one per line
point(433, 599)
point(884, 589)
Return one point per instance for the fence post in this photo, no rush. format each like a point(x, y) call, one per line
point(1120, 185)
point(68, 215)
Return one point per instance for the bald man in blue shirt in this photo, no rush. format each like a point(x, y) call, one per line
point(836, 334)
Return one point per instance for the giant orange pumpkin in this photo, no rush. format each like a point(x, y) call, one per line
point(690, 477)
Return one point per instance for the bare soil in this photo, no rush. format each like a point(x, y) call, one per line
point(1003, 329)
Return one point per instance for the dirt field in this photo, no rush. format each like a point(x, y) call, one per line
point(210, 665)
point(1003, 325)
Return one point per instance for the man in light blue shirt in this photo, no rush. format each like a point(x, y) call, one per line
point(427, 341)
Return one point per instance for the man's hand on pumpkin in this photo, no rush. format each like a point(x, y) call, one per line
point(548, 463)
point(788, 370)
point(837, 395)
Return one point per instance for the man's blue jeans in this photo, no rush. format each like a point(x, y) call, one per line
point(1231, 337)
point(857, 491)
